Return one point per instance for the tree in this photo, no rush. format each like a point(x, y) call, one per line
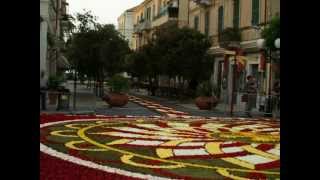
point(96, 50)
point(174, 52)
point(184, 52)
point(272, 32)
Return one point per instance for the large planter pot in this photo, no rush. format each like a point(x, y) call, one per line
point(206, 103)
point(116, 99)
point(53, 96)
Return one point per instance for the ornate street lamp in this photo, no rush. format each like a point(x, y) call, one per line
point(261, 44)
point(277, 43)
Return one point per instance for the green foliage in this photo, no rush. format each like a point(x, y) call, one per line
point(54, 82)
point(118, 84)
point(174, 52)
point(230, 34)
point(86, 21)
point(206, 89)
point(96, 50)
point(272, 32)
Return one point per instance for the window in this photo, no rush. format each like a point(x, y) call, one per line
point(254, 72)
point(255, 12)
point(153, 11)
point(148, 13)
point(220, 19)
point(236, 13)
point(196, 22)
point(207, 21)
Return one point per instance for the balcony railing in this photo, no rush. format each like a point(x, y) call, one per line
point(203, 2)
point(230, 37)
point(172, 12)
point(142, 25)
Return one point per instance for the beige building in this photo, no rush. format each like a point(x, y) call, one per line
point(249, 16)
point(153, 14)
point(211, 17)
point(125, 26)
point(52, 14)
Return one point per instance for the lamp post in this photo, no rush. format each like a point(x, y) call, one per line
point(262, 45)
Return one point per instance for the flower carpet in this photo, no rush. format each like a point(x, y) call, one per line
point(166, 111)
point(158, 147)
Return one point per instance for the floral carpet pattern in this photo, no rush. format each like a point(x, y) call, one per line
point(158, 147)
point(166, 111)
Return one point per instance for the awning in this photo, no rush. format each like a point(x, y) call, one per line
point(63, 62)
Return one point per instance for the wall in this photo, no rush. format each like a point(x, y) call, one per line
point(44, 13)
point(183, 13)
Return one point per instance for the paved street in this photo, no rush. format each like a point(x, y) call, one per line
point(220, 111)
point(88, 103)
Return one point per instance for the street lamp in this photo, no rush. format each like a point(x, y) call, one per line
point(262, 45)
point(277, 43)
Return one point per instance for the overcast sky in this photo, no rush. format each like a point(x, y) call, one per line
point(107, 11)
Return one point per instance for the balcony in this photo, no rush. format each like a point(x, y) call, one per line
point(167, 14)
point(203, 2)
point(141, 26)
point(230, 38)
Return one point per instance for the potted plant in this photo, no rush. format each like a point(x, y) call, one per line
point(230, 38)
point(118, 87)
point(53, 85)
point(205, 99)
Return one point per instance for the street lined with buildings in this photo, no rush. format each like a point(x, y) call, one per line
point(123, 102)
point(214, 18)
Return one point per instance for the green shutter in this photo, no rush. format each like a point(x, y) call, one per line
point(220, 19)
point(207, 21)
point(196, 22)
point(236, 13)
point(255, 12)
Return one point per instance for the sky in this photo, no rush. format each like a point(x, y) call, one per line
point(107, 11)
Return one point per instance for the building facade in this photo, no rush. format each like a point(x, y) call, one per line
point(153, 14)
point(212, 17)
point(125, 26)
point(52, 14)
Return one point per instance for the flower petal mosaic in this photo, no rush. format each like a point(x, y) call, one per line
point(128, 147)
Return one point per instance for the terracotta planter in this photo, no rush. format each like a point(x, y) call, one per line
point(116, 99)
point(53, 96)
point(206, 103)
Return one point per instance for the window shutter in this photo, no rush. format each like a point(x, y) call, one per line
point(236, 13)
point(207, 21)
point(196, 22)
point(255, 12)
point(220, 19)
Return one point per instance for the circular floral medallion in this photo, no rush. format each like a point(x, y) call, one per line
point(157, 148)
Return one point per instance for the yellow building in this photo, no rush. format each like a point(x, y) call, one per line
point(152, 14)
point(211, 17)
